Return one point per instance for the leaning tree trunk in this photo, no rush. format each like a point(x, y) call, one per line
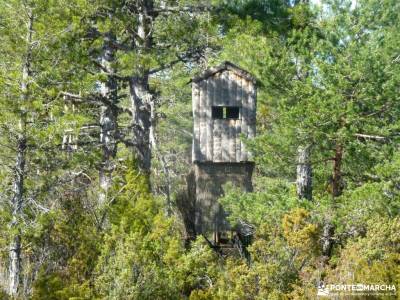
point(164, 165)
point(304, 173)
point(19, 175)
point(108, 119)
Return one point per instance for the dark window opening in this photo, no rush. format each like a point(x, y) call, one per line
point(232, 112)
point(225, 112)
point(217, 112)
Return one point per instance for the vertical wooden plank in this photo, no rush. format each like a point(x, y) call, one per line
point(252, 114)
point(230, 97)
point(196, 122)
point(218, 100)
point(217, 155)
point(252, 110)
point(238, 153)
point(225, 88)
point(225, 141)
point(234, 81)
point(238, 124)
point(238, 91)
point(209, 124)
point(203, 120)
point(232, 140)
point(245, 117)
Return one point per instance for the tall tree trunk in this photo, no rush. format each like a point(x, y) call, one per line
point(337, 185)
point(108, 119)
point(140, 94)
point(164, 165)
point(337, 189)
point(304, 173)
point(141, 123)
point(327, 238)
point(15, 244)
point(19, 173)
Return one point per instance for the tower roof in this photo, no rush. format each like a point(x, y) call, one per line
point(226, 65)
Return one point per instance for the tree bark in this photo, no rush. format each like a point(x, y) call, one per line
point(186, 204)
point(304, 173)
point(19, 172)
point(164, 165)
point(140, 94)
point(337, 185)
point(327, 238)
point(141, 123)
point(337, 189)
point(15, 244)
point(108, 119)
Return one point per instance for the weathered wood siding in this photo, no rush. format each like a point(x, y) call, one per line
point(218, 140)
point(209, 181)
point(196, 121)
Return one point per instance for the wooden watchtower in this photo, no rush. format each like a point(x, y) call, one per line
point(224, 112)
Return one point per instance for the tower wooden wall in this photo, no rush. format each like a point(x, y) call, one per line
point(224, 109)
point(218, 139)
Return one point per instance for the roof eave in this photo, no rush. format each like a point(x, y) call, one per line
point(226, 65)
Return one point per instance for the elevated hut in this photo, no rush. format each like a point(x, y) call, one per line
point(224, 112)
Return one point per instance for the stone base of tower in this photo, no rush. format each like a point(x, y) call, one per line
point(209, 180)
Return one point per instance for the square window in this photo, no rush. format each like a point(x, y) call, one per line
point(232, 112)
point(217, 112)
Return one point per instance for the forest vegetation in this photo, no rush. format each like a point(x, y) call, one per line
point(96, 135)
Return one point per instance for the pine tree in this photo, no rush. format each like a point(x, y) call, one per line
point(32, 69)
